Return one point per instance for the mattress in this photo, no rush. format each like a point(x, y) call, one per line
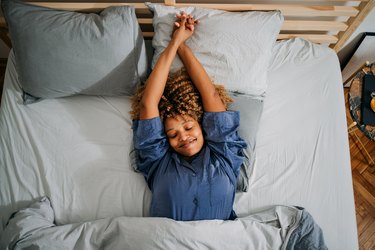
point(75, 150)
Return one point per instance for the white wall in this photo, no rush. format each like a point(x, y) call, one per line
point(368, 25)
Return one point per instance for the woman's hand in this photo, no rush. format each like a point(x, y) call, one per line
point(155, 84)
point(185, 25)
point(183, 28)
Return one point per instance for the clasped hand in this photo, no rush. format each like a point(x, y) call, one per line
point(183, 27)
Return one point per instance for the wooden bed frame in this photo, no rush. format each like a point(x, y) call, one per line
point(320, 21)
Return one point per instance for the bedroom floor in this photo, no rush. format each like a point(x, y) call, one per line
point(363, 181)
point(364, 186)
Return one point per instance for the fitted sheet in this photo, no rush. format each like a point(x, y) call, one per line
point(302, 151)
point(75, 150)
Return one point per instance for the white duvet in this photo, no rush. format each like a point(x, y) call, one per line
point(75, 150)
point(279, 227)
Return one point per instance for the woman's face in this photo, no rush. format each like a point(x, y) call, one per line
point(184, 135)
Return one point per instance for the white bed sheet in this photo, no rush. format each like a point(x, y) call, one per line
point(75, 150)
point(302, 151)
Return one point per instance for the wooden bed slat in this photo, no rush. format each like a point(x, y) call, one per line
point(325, 39)
point(314, 25)
point(286, 9)
point(292, 25)
point(311, 16)
point(324, 1)
point(145, 20)
point(169, 2)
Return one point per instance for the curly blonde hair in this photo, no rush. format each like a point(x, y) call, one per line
point(180, 97)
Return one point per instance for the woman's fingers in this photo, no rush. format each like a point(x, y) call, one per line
point(184, 14)
point(190, 27)
point(179, 15)
point(185, 19)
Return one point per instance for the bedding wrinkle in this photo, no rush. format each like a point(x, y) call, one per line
point(121, 111)
point(35, 147)
point(282, 172)
point(298, 52)
point(265, 238)
point(311, 164)
point(99, 30)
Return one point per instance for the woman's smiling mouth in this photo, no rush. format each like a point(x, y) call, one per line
point(188, 143)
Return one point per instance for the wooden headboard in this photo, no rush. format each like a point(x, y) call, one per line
point(320, 21)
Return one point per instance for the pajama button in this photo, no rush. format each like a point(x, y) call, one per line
point(195, 201)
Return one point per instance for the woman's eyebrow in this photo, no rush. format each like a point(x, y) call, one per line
point(169, 129)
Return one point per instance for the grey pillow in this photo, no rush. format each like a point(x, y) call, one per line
point(63, 53)
point(250, 112)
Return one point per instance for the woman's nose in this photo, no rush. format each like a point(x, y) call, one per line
point(183, 137)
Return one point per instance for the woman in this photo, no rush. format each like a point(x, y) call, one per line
point(189, 157)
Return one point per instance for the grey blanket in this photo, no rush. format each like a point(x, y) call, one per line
point(279, 227)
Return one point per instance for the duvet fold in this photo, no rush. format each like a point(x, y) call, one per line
point(278, 227)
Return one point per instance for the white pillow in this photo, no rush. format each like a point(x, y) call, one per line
point(235, 48)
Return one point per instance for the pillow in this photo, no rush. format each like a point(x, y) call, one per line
point(250, 113)
point(234, 48)
point(62, 53)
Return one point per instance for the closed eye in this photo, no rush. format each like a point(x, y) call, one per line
point(172, 136)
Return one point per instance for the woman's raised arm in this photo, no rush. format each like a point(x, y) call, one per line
point(156, 82)
point(210, 98)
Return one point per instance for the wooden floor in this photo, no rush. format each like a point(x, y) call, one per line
point(364, 186)
point(363, 182)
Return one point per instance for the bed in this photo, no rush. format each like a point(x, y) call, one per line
point(67, 175)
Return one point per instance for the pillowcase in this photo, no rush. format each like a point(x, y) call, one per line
point(62, 53)
point(250, 113)
point(234, 48)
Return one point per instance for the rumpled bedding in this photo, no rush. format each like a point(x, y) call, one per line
point(302, 159)
point(279, 227)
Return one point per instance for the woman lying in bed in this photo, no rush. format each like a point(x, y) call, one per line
point(186, 142)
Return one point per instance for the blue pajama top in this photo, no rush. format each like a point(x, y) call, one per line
point(203, 188)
